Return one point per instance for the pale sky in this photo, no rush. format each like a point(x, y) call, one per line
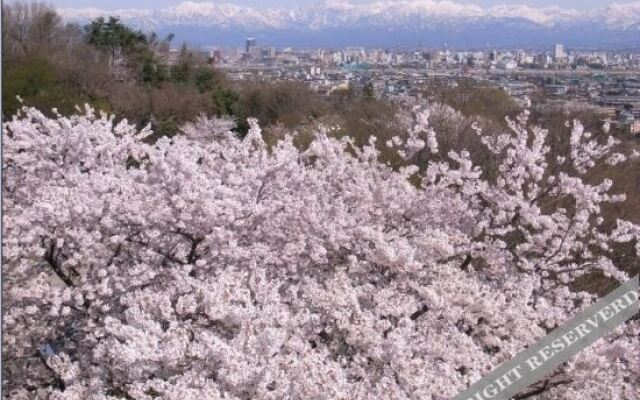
point(151, 4)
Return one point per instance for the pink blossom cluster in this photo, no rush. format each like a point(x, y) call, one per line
point(206, 266)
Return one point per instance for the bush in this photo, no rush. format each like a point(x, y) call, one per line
point(34, 79)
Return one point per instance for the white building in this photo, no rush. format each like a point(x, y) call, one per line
point(507, 64)
point(558, 52)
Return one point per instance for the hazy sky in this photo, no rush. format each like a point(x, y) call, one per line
point(112, 4)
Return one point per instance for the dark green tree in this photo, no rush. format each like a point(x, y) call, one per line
point(225, 101)
point(205, 79)
point(115, 38)
point(183, 69)
point(369, 91)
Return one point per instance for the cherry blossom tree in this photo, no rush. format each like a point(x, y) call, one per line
point(205, 266)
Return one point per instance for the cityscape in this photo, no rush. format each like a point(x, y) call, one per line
point(606, 82)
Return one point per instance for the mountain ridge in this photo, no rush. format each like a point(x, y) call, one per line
point(335, 17)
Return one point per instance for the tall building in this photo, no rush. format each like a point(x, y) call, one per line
point(250, 44)
point(558, 52)
point(216, 55)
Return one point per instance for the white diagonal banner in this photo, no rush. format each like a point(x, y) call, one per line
point(558, 346)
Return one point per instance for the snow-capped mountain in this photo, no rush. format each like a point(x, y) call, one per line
point(385, 22)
